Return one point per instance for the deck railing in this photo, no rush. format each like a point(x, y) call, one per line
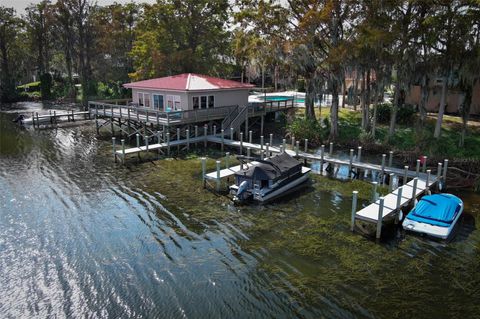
point(150, 115)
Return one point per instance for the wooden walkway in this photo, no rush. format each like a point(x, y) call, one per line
point(55, 117)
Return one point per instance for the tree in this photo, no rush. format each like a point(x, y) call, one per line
point(10, 27)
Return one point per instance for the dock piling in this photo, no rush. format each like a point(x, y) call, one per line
point(271, 139)
point(350, 163)
point(204, 169)
point(241, 143)
point(250, 136)
point(293, 141)
point(414, 190)
point(214, 130)
point(306, 145)
point(146, 142)
point(205, 132)
point(427, 186)
point(359, 154)
point(114, 149)
point(168, 143)
point(354, 208)
point(187, 133)
point(439, 175)
point(445, 167)
point(380, 219)
point(261, 142)
point(218, 175)
point(267, 148)
point(249, 151)
point(297, 146)
point(405, 175)
point(227, 160)
point(390, 159)
point(322, 156)
point(399, 197)
point(331, 149)
point(223, 138)
point(390, 184)
point(284, 144)
point(424, 168)
point(178, 140)
point(417, 170)
point(374, 191)
point(138, 143)
point(231, 134)
point(123, 150)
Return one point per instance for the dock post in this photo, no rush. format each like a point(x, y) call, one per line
point(439, 175)
point(248, 151)
point(267, 147)
point(306, 145)
point(384, 157)
point(322, 155)
point(196, 134)
point(168, 143)
point(405, 175)
point(214, 130)
point(262, 155)
point(250, 136)
point(398, 206)
point(262, 119)
point(146, 142)
point(218, 175)
point(205, 132)
point(231, 133)
point(399, 197)
point(374, 191)
point(271, 139)
point(158, 142)
point(297, 146)
point(424, 168)
point(350, 163)
point(330, 152)
point(293, 141)
point(390, 159)
point(380, 219)
point(445, 166)
point(73, 116)
point(223, 138)
point(178, 140)
point(281, 149)
point(261, 142)
point(187, 132)
point(414, 190)
point(114, 149)
point(227, 160)
point(284, 144)
point(204, 168)
point(354, 208)
point(359, 154)
point(241, 143)
point(390, 184)
point(427, 185)
point(123, 151)
point(417, 170)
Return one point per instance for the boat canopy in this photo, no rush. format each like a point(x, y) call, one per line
point(272, 168)
point(439, 210)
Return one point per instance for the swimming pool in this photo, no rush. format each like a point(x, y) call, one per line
point(282, 98)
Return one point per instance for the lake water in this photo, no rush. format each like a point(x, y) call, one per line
point(83, 237)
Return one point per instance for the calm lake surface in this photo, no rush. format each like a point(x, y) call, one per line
point(82, 237)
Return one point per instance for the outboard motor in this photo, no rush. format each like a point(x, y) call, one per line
point(19, 119)
point(242, 188)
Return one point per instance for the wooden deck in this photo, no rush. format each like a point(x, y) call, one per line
point(37, 119)
point(160, 118)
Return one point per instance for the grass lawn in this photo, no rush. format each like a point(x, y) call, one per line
point(409, 138)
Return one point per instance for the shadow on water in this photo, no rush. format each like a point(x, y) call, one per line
point(81, 236)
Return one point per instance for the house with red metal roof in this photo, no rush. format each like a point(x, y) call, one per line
point(188, 91)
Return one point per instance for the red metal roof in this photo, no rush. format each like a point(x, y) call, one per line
point(188, 82)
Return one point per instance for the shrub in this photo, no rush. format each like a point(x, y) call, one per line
point(303, 128)
point(405, 114)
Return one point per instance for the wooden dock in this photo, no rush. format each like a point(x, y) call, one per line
point(54, 117)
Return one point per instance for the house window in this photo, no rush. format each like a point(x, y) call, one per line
point(146, 98)
point(196, 102)
point(158, 102)
point(211, 101)
point(173, 102)
point(203, 102)
point(140, 99)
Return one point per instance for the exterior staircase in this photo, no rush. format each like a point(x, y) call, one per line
point(234, 120)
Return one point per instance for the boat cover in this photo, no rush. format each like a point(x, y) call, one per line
point(439, 210)
point(272, 168)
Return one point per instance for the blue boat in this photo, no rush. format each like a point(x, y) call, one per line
point(434, 215)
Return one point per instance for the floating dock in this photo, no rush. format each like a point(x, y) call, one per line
point(55, 117)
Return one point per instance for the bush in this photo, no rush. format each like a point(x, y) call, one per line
point(310, 129)
point(405, 114)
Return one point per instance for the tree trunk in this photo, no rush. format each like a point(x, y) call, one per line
point(344, 89)
point(465, 112)
point(441, 110)
point(355, 91)
point(334, 110)
point(366, 110)
point(393, 115)
point(423, 101)
point(309, 99)
point(362, 100)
